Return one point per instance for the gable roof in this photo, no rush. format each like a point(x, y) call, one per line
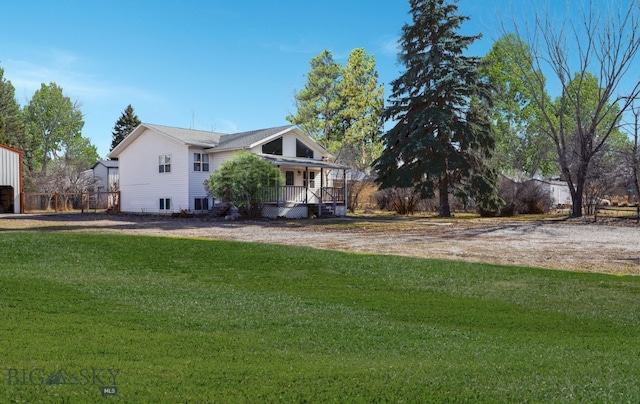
point(189, 136)
point(212, 141)
point(107, 163)
point(247, 139)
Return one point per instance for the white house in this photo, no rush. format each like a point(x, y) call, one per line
point(10, 180)
point(557, 190)
point(163, 169)
point(105, 173)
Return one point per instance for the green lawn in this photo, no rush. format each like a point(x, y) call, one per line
point(183, 320)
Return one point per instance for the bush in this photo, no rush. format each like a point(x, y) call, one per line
point(521, 198)
point(403, 201)
point(246, 181)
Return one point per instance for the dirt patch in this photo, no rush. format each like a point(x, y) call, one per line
point(568, 245)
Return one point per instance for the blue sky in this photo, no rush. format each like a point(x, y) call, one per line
point(216, 65)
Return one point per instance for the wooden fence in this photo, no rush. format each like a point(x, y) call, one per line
point(84, 202)
point(617, 211)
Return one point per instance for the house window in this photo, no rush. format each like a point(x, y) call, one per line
point(165, 204)
point(302, 150)
point(201, 204)
point(164, 163)
point(312, 179)
point(200, 162)
point(273, 147)
point(288, 177)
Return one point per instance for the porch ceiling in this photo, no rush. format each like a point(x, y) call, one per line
point(297, 162)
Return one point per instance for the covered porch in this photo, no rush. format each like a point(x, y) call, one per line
point(308, 189)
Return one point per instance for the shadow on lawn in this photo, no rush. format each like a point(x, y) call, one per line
point(103, 221)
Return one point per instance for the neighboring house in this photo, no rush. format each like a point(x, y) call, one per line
point(10, 180)
point(164, 169)
point(557, 190)
point(105, 179)
point(105, 173)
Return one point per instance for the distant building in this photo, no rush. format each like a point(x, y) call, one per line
point(10, 180)
point(105, 173)
point(557, 190)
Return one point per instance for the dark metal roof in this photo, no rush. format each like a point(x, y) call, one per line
point(245, 139)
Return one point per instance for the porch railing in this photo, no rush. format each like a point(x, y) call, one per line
point(298, 194)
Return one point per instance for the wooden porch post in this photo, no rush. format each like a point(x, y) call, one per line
point(321, 189)
point(344, 189)
point(306, 187)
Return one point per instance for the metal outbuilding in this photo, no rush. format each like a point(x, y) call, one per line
point(10, 180)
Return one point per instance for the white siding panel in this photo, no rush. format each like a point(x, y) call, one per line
point(219, 158)
point(142, 186)
point(10, 174)
point(113, 178)
point(197, 188)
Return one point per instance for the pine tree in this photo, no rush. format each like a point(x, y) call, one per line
point(439, 105)
point(125, 124)
point(361, 112)
point(12, 131)
point(319, 103)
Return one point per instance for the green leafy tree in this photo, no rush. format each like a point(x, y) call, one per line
point(319, 102)
point(520, 146)
point(52, 122)
point(11, 124)
point(442, 134)
point(361, 112)
point(245, 180)
point(127, 122)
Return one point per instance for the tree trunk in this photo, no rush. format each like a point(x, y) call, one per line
point(577, 197)
point(443, 188)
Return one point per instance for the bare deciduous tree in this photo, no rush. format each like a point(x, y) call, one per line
point(594, 42)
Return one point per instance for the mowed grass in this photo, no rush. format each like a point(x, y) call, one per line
point(184, 320)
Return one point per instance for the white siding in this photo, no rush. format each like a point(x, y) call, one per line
point(219, 158)
point(113, 178)
point(142, 186)
point(100, 175)
point(10, 175)
point(197, 188)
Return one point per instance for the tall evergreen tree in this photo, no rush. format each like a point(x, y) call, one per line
point(11, 124)
point(318, 104)
point(442, 133)
point(124, 125)
point(361, 112)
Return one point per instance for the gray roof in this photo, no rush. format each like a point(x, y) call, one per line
point(189, 136)
point(107, 163)
point(245, 139)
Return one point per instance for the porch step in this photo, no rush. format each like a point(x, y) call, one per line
point(327, 210)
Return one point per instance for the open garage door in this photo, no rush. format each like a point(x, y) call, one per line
point(6, 199)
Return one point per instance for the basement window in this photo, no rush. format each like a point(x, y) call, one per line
point(165, 204)
point(201, 204)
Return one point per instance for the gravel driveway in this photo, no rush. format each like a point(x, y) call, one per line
point(568, 245)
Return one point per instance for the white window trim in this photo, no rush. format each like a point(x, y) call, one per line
point(162, 162)
point(201, 162)
point(164, 202)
